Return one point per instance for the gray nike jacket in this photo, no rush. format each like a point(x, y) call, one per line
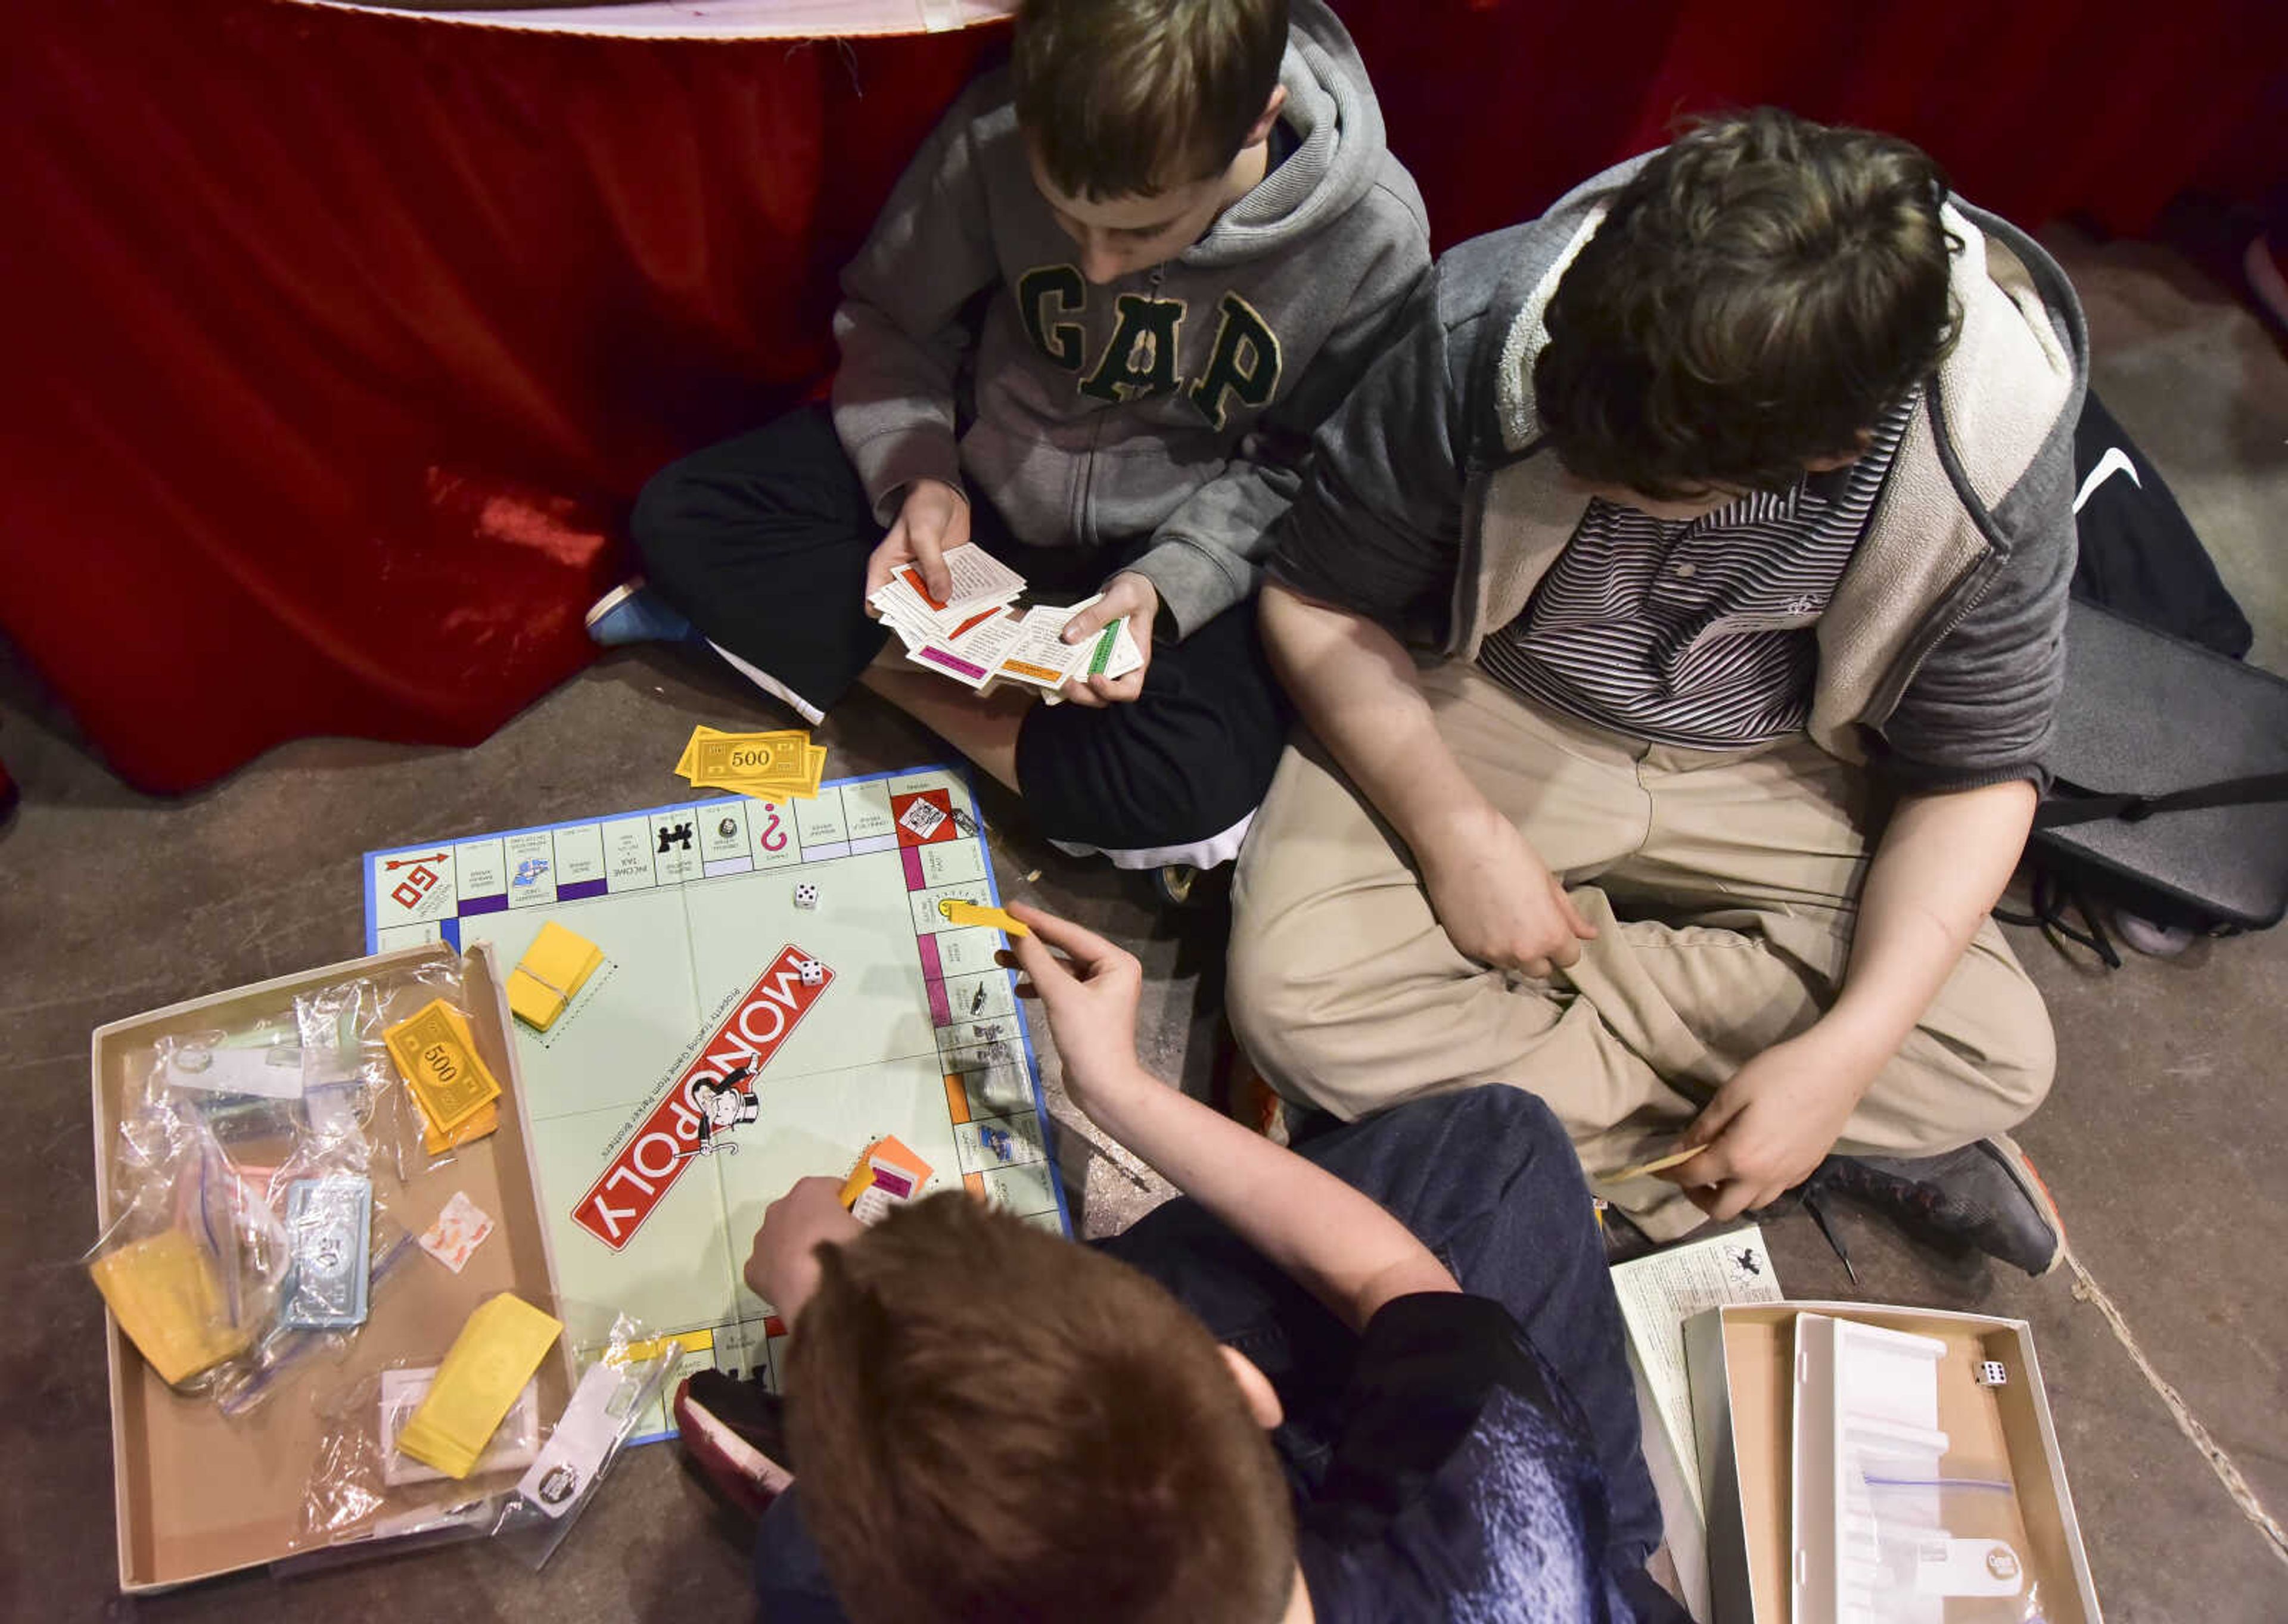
point(1434, 503)
point(1172, 404)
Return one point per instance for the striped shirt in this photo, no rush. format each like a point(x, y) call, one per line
point(1697, 633)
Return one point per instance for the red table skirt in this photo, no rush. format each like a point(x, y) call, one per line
point(338, 342)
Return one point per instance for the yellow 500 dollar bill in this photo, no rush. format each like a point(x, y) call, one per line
point(755, 757)
point(434, 1055)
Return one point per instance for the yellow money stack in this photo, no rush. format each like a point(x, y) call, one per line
point(438, 1059)
point(771, 766)
point(498, 1348)
point(164, 1292)
point(551, 974)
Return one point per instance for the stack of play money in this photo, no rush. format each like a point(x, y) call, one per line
point(499, 1347)
point(438, 1059)
point(772, 765)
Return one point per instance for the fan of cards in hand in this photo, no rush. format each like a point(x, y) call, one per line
point(979, 636)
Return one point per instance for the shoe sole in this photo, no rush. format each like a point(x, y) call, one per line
point(745, 1475)
point(610, 601)
point(2020, 1168)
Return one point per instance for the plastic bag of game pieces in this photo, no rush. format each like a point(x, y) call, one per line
point(245, 1086)
point(1951, 1547)
point(365, 1491)
point(530, 1484)
point(192, 1261)
point(313, 1327)
point(393, 1056)
point(632, 1374)
point(231, 1265)
point(335, 1246)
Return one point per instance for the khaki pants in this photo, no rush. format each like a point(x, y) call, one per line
point(1723, 885)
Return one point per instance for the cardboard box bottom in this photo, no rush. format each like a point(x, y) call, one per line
point(197, 1495)
point(1742, 1364)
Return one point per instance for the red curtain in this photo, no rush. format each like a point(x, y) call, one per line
point(339, 342)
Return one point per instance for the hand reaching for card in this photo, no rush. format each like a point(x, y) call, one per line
point(783, 1268)
point(932, 522)
point(1127, 594)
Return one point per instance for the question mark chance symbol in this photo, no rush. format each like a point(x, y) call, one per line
point(772, 838)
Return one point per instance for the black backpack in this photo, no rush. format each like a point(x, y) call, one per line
point(2170, 757)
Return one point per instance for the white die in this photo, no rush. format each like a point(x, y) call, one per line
point(805, 895)
point(1992, 1373)
point(812, 971)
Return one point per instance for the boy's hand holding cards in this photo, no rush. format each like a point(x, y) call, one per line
point(1113, 672)
point(978, 637)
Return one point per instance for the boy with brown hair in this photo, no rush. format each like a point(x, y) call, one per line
point(1378, 1379)
point(1726, 510)
point(1091, 332)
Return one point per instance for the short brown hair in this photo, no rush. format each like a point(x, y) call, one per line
point(1757, 295)
point(1130, 98)
point(989, 1422)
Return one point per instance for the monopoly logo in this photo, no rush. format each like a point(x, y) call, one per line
point(677, 1133)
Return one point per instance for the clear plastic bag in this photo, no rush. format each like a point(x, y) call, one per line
point(611, 1399)
point(249, 1231)
point(284, 1351)
point(1947, 1549)
point(351, 1077)
point(192, 1262)
point(530, 1486)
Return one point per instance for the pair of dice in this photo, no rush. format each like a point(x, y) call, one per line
point(812, 972)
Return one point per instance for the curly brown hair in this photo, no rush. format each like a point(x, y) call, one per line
point(1130, 98)
point(1756, 296)
point(989, 1422)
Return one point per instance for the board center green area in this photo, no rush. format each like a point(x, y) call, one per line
point(911, 1030)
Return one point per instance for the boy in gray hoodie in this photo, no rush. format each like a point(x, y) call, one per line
point(1728, 509)
point(1092, 330)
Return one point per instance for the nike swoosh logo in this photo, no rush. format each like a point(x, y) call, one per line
point(2115, 461)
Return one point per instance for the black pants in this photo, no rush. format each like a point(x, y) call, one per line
point(762, 540)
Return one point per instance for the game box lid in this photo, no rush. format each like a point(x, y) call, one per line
point(196, 1495)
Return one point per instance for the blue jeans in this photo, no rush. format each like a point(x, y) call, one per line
point(1487, 1181)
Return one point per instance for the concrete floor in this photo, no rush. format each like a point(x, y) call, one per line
point(2162, 1140)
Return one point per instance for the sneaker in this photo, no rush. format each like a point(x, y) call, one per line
point(632, 613)
point(2155, 942)
point(1244, 1094)
point(734, 1433)
point(1985, 1196)
point(1183, 887)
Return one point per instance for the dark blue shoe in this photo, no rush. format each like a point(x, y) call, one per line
point(632, 613)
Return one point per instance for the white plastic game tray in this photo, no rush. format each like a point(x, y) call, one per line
point(1866, 1427)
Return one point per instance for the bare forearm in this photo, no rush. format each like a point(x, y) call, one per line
point(1936, 871)
point(1356, 687)
point(1335, 1242)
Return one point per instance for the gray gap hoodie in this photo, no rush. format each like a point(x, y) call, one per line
point(1167, 405)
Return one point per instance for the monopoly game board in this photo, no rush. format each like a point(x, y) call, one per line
point(696, 1075)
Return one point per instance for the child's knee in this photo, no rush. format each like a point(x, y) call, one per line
point(2022, 1062)
point(662, 515)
